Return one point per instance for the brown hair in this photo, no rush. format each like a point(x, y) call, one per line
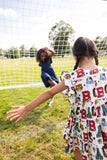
point(38, 55)
point(84, 47)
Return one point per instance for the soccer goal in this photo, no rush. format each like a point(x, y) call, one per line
point(28, 25)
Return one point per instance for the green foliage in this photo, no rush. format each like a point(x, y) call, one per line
point(59, 37)
point(101, 44)
point(33, 51)
point(13, 53)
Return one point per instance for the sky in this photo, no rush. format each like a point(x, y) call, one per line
point(29, 22)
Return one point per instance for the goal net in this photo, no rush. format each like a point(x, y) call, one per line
point(28, 25)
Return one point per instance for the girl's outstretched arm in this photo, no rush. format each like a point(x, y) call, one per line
point(21, 111)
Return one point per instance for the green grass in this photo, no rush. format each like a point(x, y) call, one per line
point(38, 136)
point(26, 70)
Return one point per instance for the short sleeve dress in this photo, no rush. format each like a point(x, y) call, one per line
point(86, 128)
point(47, 72)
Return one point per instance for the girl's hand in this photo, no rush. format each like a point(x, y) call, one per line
point(46, 49)
point(18, 113)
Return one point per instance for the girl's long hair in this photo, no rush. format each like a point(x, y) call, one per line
point(84, 47)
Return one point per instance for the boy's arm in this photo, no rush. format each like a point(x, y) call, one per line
point(21, 111)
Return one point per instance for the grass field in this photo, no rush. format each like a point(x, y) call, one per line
point(38, 136)
point(27, 71)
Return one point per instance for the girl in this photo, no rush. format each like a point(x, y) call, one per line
point(49, 78)
point(86, 129)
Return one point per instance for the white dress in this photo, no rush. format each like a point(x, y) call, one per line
point(86, 129)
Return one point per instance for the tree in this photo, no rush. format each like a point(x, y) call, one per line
point(98, 42)
point(13, 52)
point(1, 52)
point(23, 52)
point(101, 43)
point(105, 43)
point(33, 51)
point(60, 36)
